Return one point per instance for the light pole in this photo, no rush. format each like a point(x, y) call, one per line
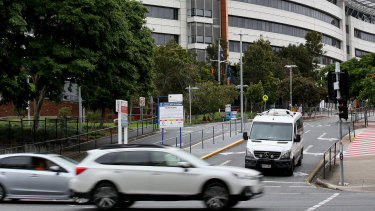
point(190, 88)
point(290, 84)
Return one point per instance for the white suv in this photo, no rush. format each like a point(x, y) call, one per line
point(118, 175)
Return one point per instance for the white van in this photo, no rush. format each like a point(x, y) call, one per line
point(275, 141)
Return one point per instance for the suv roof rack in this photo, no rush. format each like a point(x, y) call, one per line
point(117, 146)
point(278, 112)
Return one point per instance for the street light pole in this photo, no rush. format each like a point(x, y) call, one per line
point(190, 88)
point(290, 84)
point(218, 60)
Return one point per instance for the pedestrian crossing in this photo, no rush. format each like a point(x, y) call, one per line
point(363, 144)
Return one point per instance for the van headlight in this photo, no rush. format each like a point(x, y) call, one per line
point(249, 153)
point(285, 154)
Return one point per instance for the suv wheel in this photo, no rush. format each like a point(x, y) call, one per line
point(105, 196)
point(2, 193)
point(300, 159)
point(216, 196)
point(125, 203)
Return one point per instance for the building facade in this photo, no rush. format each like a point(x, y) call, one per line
point(348, 26)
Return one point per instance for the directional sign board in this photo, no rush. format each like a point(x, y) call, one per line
point(175, 98)
point(171, 115)
point(122, 106)
point(234, 115)
point(228, 109)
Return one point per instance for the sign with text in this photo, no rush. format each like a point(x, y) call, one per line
point(234, 115)
point(171, 114)
point(175, 98)
point(228, 109)
point(142, 101)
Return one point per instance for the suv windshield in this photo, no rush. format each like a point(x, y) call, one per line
point(271, 131)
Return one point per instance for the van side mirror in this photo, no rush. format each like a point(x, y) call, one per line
point(298, 138)
point(245, 137)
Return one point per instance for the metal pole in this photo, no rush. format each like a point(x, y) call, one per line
point(190, 103)
point(222, 128)
point(202, 138)
point(218, 59)
point(290, 88)
point(241, 69)
point(213, 134)
point(341, 156)
point(80, 109)
point(180, 138)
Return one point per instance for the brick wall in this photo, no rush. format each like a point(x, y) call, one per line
point(48, 109)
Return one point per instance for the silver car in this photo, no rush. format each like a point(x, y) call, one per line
point(35, 176)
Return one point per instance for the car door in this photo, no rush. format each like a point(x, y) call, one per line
point(14, 175)
point(128, 169)
point(47, 183)
point(168, 178)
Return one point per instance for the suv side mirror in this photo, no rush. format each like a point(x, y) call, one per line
point(245, 137)
point(298, 138)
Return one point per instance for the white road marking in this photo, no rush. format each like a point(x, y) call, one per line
point(272, 186)
point(323, 202)
point(281, 182)
point(305, 152)
point(308, 131)
point(299, 174)
point(225, 163)
point(326, 139)
point(232, 153)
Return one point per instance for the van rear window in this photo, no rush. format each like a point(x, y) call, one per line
point(271, 131)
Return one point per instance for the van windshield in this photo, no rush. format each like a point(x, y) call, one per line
point(271, 131)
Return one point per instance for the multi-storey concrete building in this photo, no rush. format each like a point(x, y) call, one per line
point(348, 26)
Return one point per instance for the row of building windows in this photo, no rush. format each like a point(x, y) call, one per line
point(162, 39)
point(364, 35)
point(162, 12)
point(296, 8)
point(234, 46)
point(267, 26)
point(359, 15)
point(360, 53)
point(200, 13)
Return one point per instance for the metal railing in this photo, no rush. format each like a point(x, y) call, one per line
point(327, 157)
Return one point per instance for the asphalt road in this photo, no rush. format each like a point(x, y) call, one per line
point(281, 192)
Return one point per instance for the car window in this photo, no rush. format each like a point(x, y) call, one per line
point(16, 162)
point(139, 158)
point(164, 159)
point(42, 164)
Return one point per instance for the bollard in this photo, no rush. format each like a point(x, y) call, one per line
point(222, 128)
point(190, 143)
point(230, 128)
point(330, 152)
point(324, 165)
point(213, 134)
point(176, 141)
point(202, 138)
point(350, 138)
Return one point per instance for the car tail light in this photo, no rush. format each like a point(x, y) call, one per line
point(80, 170)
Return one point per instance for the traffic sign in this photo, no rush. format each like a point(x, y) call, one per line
point(142, 101)
point(265, 97)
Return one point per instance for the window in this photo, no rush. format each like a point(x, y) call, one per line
point(261, 25)
point(162, 12)
point(271, 131)
point(360, 53)
point(364, 35)
point(359, 15)
point(297, 8)
point(16, 162)
point(164, 159)
point(162, 39)
point(139, 158)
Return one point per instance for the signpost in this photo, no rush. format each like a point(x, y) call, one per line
point(122, 120)
point(171, 115)
point(265, 98)
point(234, 115)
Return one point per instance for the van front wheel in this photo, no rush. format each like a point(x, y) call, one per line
point(290, 171)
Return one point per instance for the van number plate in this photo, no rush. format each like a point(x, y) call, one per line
point(266, 166)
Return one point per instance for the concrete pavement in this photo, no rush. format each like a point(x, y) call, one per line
point(358, 163)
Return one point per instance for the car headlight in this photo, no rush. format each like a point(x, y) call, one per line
point(245, 176)
point(249, 153)
point(285, 154)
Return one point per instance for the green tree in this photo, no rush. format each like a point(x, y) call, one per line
point(361, 77)
point(211, 96)
point(84, 41)
point(176, 68)
point(259, 63)
point(255, 93)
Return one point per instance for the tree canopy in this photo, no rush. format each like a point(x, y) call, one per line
point(101, 45)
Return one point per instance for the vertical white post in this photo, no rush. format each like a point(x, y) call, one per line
point(290, 88)
point(241, 82)
point(190, 103)
point(119, 126)
point(28, 107)
point(126, 135)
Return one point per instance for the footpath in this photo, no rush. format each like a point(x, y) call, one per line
point(358, 162)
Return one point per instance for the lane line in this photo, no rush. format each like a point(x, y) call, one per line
point(323, 202)
point(281, 182)
point(225, 163)
point(307, 131)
